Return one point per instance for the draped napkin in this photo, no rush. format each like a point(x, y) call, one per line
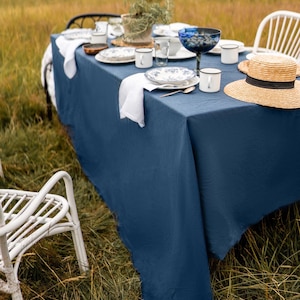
point(67, 49)
point(131, 97)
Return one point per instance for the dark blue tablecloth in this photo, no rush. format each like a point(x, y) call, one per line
point(203, 170)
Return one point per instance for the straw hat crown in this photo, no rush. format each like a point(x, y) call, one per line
point(272, 68)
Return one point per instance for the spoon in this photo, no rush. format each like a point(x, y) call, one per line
point(185, 91)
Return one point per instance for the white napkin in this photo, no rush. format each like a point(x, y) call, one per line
point(131, 97)
point(67, 49)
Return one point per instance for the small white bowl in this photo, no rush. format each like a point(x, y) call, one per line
point(174, 42)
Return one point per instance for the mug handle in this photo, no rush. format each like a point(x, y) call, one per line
point(142, 59)
point(209, 82)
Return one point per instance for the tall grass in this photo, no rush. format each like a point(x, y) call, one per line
point(264, 265)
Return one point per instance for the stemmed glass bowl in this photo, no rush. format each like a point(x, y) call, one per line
point(199, 40)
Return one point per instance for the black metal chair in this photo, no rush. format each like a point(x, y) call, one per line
point(89, 19)
point(86, 20)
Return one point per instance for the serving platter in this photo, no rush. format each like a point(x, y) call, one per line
point(170, 75)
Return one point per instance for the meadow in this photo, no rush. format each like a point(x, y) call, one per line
point(263, 265)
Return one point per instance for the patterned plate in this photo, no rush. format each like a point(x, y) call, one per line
point(77, 33)
point(118, 53)
point(172, 75)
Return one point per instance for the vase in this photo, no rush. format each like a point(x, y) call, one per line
point(136, 30)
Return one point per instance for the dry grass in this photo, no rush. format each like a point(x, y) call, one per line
point(264, 265)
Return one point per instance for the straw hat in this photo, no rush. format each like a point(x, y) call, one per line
point(244, 65)
point(271, 81)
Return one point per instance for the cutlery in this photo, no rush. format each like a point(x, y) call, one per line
point(185, 91)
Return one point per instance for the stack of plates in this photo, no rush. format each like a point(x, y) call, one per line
point(172, 77)
point(116, 55)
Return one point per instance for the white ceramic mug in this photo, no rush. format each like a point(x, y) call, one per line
point(210, 80)
point(161, 47)
point(174, 44)
point(101, 26)
point(98, 38)
point(143, 58)
point(229, 54)
point(115, 24)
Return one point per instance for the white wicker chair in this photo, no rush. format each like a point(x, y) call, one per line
point(27, 217)
point(279, 32)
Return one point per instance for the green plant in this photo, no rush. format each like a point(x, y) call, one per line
point(143, 14)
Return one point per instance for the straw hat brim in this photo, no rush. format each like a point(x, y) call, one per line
point(287, 98)
point(243, 67)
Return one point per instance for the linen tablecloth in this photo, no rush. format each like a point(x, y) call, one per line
point(203, 169)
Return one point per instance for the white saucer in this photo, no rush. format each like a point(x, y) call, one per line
point(182, 54)
point(217, 48)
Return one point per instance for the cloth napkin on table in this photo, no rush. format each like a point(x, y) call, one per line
point(131, 97)
point(67, 49)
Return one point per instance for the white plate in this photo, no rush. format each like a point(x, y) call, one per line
point(118, 54)
point(169, 30)
point(100, 58)
point(164, 32)
point(217, 48)
point(181, 54)
point(170, 75)
point(77, 33)
point(187, 84)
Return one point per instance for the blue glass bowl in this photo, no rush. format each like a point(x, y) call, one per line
point(199, 39)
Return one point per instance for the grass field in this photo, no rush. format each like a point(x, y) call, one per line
point(264, 265)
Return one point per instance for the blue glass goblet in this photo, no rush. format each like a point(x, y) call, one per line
point(199, 40)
